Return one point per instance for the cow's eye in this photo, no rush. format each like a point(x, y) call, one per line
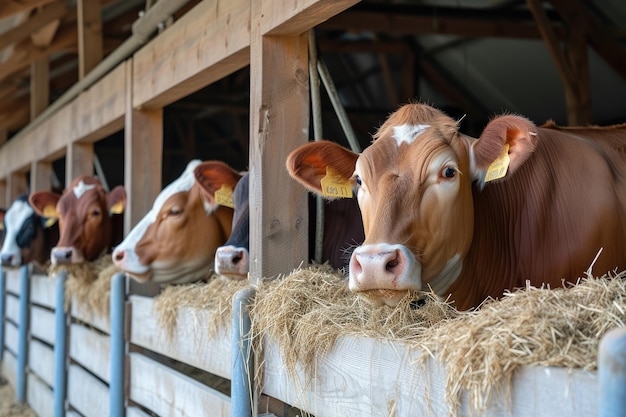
point(95, 212)
point(358, 180)
point(175, 211)
point(449, 172)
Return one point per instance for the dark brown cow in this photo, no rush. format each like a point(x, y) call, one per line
point(432, 221)
point(84, 212)
point(175, 242)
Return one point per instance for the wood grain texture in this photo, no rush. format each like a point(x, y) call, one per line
point(89, 317)
point(190, 343)
point(10, 337)
point(88, 395)
point(91, 350)
point(169, 393)
point(42, 324)
point(294, 18)
point(43, 290)
point(9, 367)
point(39, 397)
point(41, 361)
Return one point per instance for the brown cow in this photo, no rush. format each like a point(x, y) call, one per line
point(433, 220)
point(176, 240)
point(84, 212)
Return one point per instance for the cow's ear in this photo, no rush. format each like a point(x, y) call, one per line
point(45, 203)
point(518, 133)
point(116, 200)
point(308, 163)
point(213, 175)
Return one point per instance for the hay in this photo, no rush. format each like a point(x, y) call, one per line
point(216, 296)
point(88, 284)
point(307, 311)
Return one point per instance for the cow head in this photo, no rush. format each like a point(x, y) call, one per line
point(84, 212)
point(24, 237)
point(414, 188)
point(231, 259)
point(176, 240)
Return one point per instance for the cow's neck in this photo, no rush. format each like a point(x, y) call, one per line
point(448, 275)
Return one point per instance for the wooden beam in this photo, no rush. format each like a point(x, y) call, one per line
point(16, 186)
point(16, 118)
point(46, 15)
point(12, 7)
point(40, 176)
point(39, 87)
point(294, 18)
point(43, 37)
point(279, 122)
point(78, 161)
point(89, 35)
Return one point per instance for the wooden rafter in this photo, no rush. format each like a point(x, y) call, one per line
point(12, 7)
point(46, 15)
point(89, 35)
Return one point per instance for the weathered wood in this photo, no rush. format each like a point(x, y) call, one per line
point(12, 280)
point(39, 86)
point(90, 317)
point(152, 384)
point(12, 308)
point(208, 43)
point(4, 201)
point(89, 35)
point(88, 395)
point(386, 378)
point(11, 7)
point(91, 350)
point(17, 185)
point(189, 343)
point(96, 113)
point(43, 37)
point(78, 161)
point(10, 337)
point(39, 397)
point(294, 18)
point(136, 412)
point(41, 361)
point(143, 157)
point(43, 290)
point(279, 113)
point(42, 324)
point(47, 14)
point(9, 367)
point(40, 176)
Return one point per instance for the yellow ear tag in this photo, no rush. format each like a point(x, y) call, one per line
point(224, 197)
point(117, 208)
point(334, 186)
point(498, 168)
point(50, 211)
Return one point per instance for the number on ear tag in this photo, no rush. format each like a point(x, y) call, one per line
point(499, 167)
point(224, 197)
point(334, 186)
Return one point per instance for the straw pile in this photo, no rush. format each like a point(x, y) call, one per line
point(307, 311)
point(216, 296)
point(88, 284)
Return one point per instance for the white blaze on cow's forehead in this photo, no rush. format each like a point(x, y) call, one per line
point(81, 188)
point(181, 184)
point(14, 218)
point(408, 133)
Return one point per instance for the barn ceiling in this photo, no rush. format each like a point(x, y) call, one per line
point(560, 59)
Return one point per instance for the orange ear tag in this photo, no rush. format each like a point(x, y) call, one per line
point(334, 186)
point(499, 167)
point(224, 197)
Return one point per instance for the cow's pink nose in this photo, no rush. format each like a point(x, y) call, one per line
point(376, 267)
point(62, 255)
point(119, 255)
point(231, 261)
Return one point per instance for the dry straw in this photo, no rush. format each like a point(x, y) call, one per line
point(216, 296)
point(88, 284)
point(307, 311)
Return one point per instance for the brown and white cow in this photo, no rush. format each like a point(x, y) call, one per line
point(433, 222)
point(175, 242)
point(84, 212)
point(342, 228)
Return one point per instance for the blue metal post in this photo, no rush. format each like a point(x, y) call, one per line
point(22, 335)
point(3, 295)
point(241, 394)
point(60, 348)
point(612, 373)
point(118, 351)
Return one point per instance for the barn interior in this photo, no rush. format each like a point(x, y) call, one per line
point(563, 60)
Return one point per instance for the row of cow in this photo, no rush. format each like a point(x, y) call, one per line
point(435, 211)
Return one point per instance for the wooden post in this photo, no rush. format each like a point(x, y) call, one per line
point(78, 161)
point(279, 113)
point(4, 200)
point(39, 87)
point(16, 186)
point(89, 35)
point(40, 176)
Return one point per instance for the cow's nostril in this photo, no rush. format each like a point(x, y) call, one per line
point(119, 255)
point(68, 254)
point(236, 260)
point(392, 264)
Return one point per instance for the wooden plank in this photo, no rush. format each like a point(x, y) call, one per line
point(11, 7)
point(42, 324)
point(279, 122)
point(91, 318)
point(43, 290)
point(88, 395)
point(12, 308)
point(9, 367)
point(89, 35)
point(93, 115)
point(39, 87)
point(40, 176)
point(136, 412)
point(17, 185)
point(143, 157)
point(12, 280)
point(10, 337)
point(190, 343)
point(295, 18)
point(41, 361)
point(386, 378)
point(4, 203)
point(18, 33)
point(208, 43)
point(152, 385)
point(78, 161)
point(39, 397)
point(91, 349)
